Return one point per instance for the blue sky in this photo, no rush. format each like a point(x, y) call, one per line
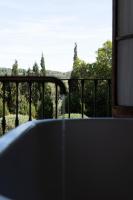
point(29, 27)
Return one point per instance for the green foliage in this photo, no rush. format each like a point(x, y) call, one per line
point(36, 69)
point(10, 89)
point(33, 111)
point(75, 53)
point(103, 65)
point(10, 121)
point(23, 105)
point(37, 93)
point(35, 87)
point(102, 68)
point(73, 116)
point(15, 68)
point(8, 72)
point(29, 72)
point(1, 108)
point(74, 104)
point(42, 63)
point(48, 105)
point(80, 69)
point(11, 97)
point(5, 71)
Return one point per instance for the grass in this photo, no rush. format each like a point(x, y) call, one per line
point(10, 121)
point(73, 116)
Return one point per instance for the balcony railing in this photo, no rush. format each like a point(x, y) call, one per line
point(88, 97)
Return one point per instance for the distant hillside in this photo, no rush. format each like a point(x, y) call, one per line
point(57, 74)
point(63, 75)
point(8, 71)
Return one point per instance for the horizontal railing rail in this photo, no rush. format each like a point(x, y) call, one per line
point(84, 95)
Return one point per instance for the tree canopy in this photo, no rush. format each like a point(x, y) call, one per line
point(15, 68)
point(102, 68)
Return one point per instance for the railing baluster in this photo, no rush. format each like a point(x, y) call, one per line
point(30, 101)
point(43, 100)
point(82, 98)
point(3, 118)
point(17, 104)
point(56, 101)
point(30, 80)
point(95, 95)
point(69, 99)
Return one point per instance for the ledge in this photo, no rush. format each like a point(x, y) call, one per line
point(122, 111)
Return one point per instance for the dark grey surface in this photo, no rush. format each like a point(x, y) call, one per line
point(90, 159)
point(124, 21)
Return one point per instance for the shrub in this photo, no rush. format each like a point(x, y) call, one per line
point(72, 116)
point(10, 121)
point(48, 105)
point(48, 108)
point(23, 106)
point(1, 108)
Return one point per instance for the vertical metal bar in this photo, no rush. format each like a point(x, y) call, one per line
point(17, 119)
point(30, 101)
point(109, 98)
point(3, 118)
point(43, 100)
point(82, 98)
point(69, 99)
point(95, 96)
point(56, 101)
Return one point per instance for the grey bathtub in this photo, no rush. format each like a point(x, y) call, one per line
point(71, 160)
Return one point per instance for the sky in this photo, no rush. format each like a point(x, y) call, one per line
point(29, 27)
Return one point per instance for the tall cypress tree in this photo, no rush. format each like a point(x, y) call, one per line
point(42, 63)
point(35, 86)
point(11, 102)
point(75, 53)
point(36, 69)
point(75, 106)
point(75, 60)
point(15, 68)
point(48, 108)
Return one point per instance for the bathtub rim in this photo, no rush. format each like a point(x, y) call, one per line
point(11, 137)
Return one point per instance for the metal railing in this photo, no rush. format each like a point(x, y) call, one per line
point(89, 93)
point(94, 85)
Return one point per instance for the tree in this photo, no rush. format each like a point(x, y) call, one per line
point(24, 106)
point(80, 69)
point(48, 105)
point(35, 87)
point(103, 67)
point(11, 90)
point(42, 63)
point(75, 53)
point(29, 72)
point(1, 108)
point(74, 87)
point(15, 68)
point(36, 69)
point(100, 69)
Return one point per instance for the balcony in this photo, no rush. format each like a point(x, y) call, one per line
point(68, 159)
point(65, 158)
point(87, 97)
